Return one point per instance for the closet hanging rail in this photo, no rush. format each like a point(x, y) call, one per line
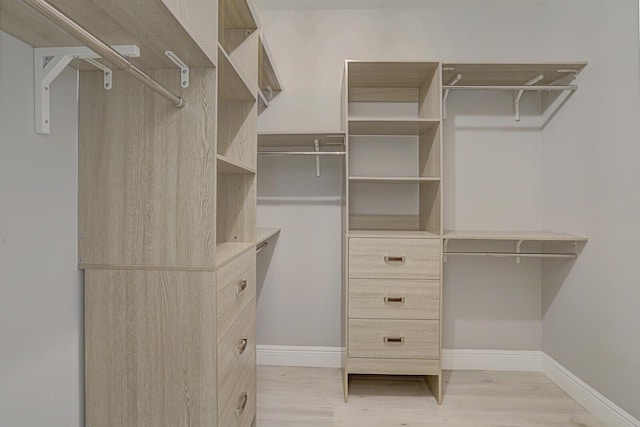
point(102, 49)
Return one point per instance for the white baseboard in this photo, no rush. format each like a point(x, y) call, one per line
point(454, 359)
point(314, 357)
point(604, 409)
point(491, 360)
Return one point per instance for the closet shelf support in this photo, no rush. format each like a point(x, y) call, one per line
point(518, 95)
point(48, 63)
point(184, 69)
point(101, 49)
point(454, 81)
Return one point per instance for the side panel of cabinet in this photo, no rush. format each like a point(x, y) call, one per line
point(147, 171)
point(150, 348)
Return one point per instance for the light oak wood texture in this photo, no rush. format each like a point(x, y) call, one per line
point(245, 58)
point(236, 216)
point(390, 126)
point(394, 179)
point(378, 299)
point(150, 357)
point(503, 74)
point(374, 366)
point(233, 297)
point(389, 74)
point(430, 96)
point(374, 258)
point(431, 207)
point(383, 94)
point(226, 165)
point(228, 251)
point(233, 84)
point(234, 356)
point(383, 223)
point(236, 22)
point(420, 339)
point(540, 236)
point(311, 397)
point(268, 80)
point(300, 139)
point(147, 178)
point(430, 153)
point(264, 234)
point(399, 234)
point(235, 413)
point(186, 27)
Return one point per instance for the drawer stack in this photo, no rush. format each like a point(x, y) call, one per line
point(236, 326)
point(394, 306)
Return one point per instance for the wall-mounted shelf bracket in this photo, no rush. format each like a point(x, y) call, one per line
point(518, 95)
point(452, 82)
point(49, 63)
point(316, 145)
point(184, 70)
point(108, 74)
point(445, 244)
point(518, 246)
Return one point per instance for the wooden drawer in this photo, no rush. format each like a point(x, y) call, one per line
point(236, 352)
point(394, 299)
point(236, 286)
point(240, 410)
point(394, 339)
point(394, 258)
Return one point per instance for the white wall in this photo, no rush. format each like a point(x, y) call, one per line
point(489, 303)
point(40, 285)
point(591, 153)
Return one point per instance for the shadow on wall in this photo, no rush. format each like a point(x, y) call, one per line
point(554, 274)
point(263, 260)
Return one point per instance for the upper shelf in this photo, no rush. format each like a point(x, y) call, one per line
point(534, 236)
point(500, 74)
point(299, 139)
point(264, 234)
point(155, 26)
point(268, 80)
point(236, 22)
point(389, 74)
point(232, 84)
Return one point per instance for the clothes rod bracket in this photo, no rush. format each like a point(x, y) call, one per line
point(516, 100)
point(454, 81)
point(184, 69)
point(48, 64)
point(316, 145)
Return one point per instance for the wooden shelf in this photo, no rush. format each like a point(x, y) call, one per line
point(394, 179)
point(236, 22)
point(267, 73)
point(232, 85)
point(535, 236)
point(400, 234)
point(500, 74)
point(264, 234)
point(389, 74)
point(299, 139)
point(228, 251)
point(390, 126)
point(511, 255)
point(121, 22)
point(226, 165)
point(263, 104)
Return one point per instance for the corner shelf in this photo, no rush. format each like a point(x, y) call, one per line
point(226, 165)
point(390, 126)
point(264, 234)
point(228, 251)
point(232, 84)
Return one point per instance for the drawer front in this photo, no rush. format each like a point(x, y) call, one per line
point(236, 352)
point(394, 299)
point(394, 258)
point(240, 410)
point(236, 287)
point(394, 339)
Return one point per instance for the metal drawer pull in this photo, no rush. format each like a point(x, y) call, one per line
point(242, 347)
point(394, 259)
point(394, 299)
point(243, 404)
point(240, 287)
point(394, 339)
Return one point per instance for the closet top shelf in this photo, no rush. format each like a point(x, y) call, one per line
point(538, 236)
point(264, 234)
point(514, 74)
point(366, 74)
point(122, 22)
point(299, 139)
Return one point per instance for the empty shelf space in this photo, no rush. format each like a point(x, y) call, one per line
point(399, 234)
point(226, 165)
point(264, 234)
point(300, 139)
point(389, 74)
point(536, 236)
point(236, 22)
point(390, 126)
point(393, 179)
point(232, 84)
point(496, 74)
point(228, 251)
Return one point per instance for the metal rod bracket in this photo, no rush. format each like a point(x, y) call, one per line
point(48, 63)
point(518, 246)
point(452, 82)
point(516, 100)
point(184, 69)
point(316, 144)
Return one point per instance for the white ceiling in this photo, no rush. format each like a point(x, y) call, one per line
point(390, 4)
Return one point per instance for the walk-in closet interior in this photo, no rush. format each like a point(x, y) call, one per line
point(241, 213)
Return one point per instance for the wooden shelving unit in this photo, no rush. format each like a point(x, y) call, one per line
point(270, 140)
point(228, 251)
point(393, 179)
point(269, 82)
point(537, 236)
point(393, 234)
point(390, 126)
point(228, 166)
point(233, 85)
point(236, 22)
point(265, 234)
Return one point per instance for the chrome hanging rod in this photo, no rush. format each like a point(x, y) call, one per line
point(534, 88)
point(301, 153)
point(102, 49)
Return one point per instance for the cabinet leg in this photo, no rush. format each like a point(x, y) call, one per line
point(345, 384)
point(434, 382)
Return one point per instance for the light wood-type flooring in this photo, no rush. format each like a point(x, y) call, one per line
point(312, 397)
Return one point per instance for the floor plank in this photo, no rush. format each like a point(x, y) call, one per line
point(312, 397)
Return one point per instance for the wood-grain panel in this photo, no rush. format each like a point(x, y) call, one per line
point(233, 297)
point(236, 214)
point(394, 258)
point(150, 355)
point(235, 413)
point(393, 366)
point(394, 299)
point(236, 353)
point(147, 177)
point(420, 339)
